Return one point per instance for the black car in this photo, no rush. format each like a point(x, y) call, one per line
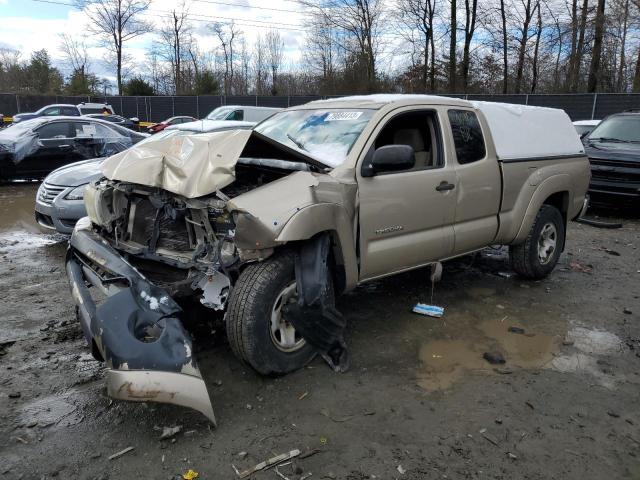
point(613, 148)
point(117, 119)
point(33, 148)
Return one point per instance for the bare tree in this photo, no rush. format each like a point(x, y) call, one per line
point(471, 10)
point(260, 65)
point(361, 21)
point(173, 33)
point(594, 68)
point(536, 51)
point(417, 16)
point(275, 48)
point(226, 34)
point(453, 43)
point(505, 46)
point(530, 9)
point(75, 54)
point(116, 21)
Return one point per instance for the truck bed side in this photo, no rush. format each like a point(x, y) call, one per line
point(529, 183)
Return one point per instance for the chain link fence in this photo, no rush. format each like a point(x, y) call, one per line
point(580, 106)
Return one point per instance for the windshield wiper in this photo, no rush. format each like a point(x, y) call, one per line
point(298, 143)
point(608, 139)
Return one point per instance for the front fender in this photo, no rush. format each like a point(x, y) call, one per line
point(326, 217)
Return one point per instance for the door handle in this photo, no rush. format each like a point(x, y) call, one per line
point(444, 186)
point(64, 146)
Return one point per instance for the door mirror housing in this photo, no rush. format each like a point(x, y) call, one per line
point(389, 158)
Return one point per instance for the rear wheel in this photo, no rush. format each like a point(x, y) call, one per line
point(257, 332)
point(539, 254)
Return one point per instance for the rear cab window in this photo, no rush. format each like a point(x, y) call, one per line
point(467, 136)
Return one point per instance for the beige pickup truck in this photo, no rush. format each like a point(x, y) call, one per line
point(261, 229)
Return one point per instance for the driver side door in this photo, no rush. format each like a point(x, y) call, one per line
point(406, 217)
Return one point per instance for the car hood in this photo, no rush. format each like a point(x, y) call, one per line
point(624, 152)
point(76, 174)
point(24, 116)
point(189, 165)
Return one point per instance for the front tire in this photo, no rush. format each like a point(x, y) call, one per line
point(257, 333)
point(539, 254)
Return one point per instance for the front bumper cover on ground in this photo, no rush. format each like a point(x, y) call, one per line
point(137, 329)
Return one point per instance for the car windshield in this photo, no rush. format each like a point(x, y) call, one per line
point(324, 134)
point(220, 113)
point(623, 128)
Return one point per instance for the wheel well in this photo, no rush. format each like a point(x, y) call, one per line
point(336, 259)
point(560, 200)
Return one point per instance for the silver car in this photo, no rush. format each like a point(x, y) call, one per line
point(60, 198)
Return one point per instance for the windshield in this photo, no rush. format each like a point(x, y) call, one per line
point(220, 113)
point(326, 134)
point(624, 128)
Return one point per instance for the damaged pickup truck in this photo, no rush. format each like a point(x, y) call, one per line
point(263, 228)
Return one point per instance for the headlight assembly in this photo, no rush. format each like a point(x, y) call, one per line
point(77, 193)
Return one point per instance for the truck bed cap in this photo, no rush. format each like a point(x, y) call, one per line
point(522, 131)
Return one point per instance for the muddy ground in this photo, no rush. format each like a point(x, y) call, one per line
point(418, 403)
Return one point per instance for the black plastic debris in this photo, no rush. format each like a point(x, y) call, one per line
point(314, 314)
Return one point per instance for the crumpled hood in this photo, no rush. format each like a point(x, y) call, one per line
point(190, 165)
point(76, 174)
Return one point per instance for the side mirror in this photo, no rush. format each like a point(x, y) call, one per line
point(390, 158)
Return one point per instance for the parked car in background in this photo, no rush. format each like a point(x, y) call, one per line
point(33, 148)
point(131, 123)
point(585, 127)
point(158, 127)
point(242, 113)
point(60, 198)
point(613, 148)
point(65, 109)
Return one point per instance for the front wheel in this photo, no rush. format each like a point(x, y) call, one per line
point(539, 254)
point(257, 332)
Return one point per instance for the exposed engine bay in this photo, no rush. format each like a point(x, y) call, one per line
point(182, 245)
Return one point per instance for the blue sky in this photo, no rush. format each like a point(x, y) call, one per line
point(29, 8)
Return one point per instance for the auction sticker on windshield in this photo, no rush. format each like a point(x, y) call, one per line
point(342, 116)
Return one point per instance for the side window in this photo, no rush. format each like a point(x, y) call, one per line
point(51, 112)
point(418, 129)
point(94, 130)
point(236, 115)
point(69, 111)
point(467, 136)
point(54, 130)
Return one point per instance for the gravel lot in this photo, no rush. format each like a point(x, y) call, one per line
point(419, 401)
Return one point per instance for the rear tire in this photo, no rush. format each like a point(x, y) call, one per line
point(256, 334)
point(539, 254)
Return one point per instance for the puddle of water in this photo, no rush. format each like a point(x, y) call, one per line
point(445, 361)
point(17, 202)
point(18, 227)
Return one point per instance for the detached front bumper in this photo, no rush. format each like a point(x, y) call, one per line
point(136, 330)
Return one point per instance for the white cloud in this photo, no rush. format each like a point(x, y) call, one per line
point(29, 34)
